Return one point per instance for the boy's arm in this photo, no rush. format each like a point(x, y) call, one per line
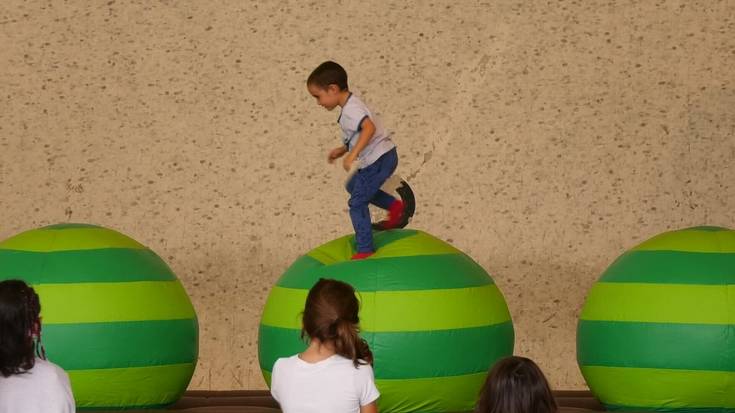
point(336, 153)
point(366, 133)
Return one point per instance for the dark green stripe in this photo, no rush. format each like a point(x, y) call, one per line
point(672, 267)
point(419, 272)
point(77, 266)
point(304, 267)
point(656, 345)
point(70, 225)
point(405, 355)
point(275, 342)
point(440, 353)
point(103, 409)
point(121, 345)
point(708, 229)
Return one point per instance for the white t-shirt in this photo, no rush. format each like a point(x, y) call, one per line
point(43, 389)
point(350, 120)
point(332, 385)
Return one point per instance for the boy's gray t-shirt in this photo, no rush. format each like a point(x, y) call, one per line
point(350, 120)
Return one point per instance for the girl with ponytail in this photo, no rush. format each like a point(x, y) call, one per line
point(334, 373)
point(28, 383)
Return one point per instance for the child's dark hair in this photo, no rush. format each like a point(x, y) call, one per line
point(19, 327)
point(330, 315)
point(516, 385)
point(328, 73)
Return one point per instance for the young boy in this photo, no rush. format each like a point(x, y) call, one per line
point(365, 143)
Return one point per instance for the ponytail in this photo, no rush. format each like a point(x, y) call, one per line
point(349, 344)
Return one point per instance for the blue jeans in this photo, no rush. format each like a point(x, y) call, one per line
point(364, 189)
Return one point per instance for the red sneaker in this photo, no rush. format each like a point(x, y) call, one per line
point(395, 214)
point(362, 255)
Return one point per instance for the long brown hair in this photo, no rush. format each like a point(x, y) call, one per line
point(330, 315)
point(516, 385)
point(20, 327)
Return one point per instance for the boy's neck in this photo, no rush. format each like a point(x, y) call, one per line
point(343, 96)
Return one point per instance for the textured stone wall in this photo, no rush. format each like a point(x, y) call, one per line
point(542, 138)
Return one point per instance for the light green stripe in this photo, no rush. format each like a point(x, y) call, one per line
point(660, 303)
point(334, 251)
point(108, 302)
point(385, 311)
point(419, 244)
point(394, 243)
point(436, 394)
point(434, 309)
point(284, 308)
point(664, 388)
point(41, 240)
point(134, 387)
point(691, 240)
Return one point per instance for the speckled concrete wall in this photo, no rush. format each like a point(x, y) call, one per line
point(542, 138)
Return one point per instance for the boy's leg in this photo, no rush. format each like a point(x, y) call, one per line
point(363, 188)
point(396, 208)
point(382, 199)
point(386, 166)
point(359, 212)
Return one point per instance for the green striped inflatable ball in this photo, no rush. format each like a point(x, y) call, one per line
point(433, 318)
point(658, 329)
point(114, 315)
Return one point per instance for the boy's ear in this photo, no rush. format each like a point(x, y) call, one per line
point(333, 88)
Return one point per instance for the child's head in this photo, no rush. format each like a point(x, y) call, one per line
point(20, 326)
point(330, 315)
point(516, 385)
point(326, 83)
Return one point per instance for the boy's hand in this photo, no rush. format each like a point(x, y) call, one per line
point(348, 161)
point(336, 153)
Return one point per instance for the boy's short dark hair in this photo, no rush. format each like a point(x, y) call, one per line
point(328, 73)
